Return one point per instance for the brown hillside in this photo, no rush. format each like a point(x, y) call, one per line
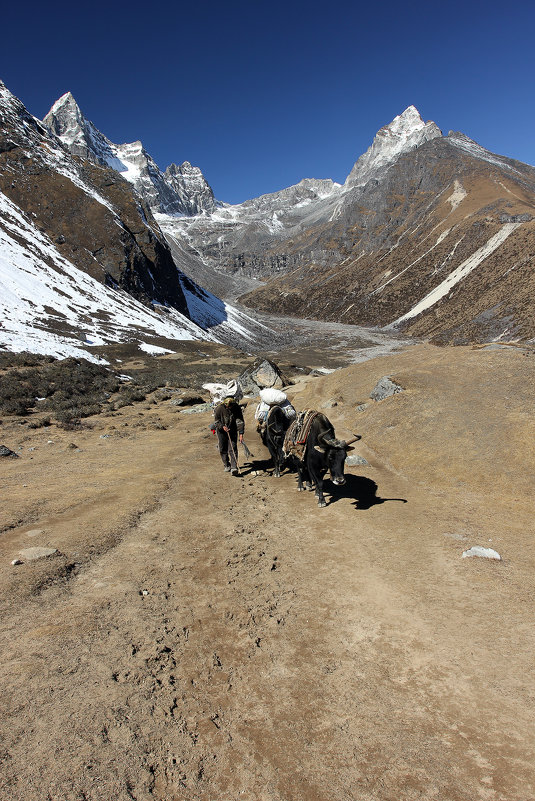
point(203, 637)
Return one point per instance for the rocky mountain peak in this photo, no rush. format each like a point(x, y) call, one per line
point(81, 138)
point(191, 187)
point(406, 132)
point(65, 100)
point(181, 190)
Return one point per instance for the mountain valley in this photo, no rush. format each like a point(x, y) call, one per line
point(170, 631)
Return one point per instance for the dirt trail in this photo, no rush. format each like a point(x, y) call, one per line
point(207, 637)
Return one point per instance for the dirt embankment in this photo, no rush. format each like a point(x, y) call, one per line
point(202, 637)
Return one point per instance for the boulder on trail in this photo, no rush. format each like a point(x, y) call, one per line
point(187, 399)
point(260, 374)
point(385, 388)
point(354, 459)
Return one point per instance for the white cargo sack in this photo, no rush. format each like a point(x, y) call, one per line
point(261, 412)
point(220, 391)
point(272, 396)
point(288, 409)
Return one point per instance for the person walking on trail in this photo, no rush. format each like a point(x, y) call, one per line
point(229, 425)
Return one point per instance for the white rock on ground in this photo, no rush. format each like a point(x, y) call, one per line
point(478, 550)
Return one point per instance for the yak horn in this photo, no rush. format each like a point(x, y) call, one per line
point(355, 439)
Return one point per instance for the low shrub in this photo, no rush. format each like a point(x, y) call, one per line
point(71, 388)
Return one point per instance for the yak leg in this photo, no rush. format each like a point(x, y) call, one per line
point(273, 452)
point(318, 481)
point(301, 474)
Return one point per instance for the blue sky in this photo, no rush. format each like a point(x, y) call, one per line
point(260, 95)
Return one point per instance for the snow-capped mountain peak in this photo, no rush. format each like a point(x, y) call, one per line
point(406, 123)
point(406, 132)
point(186, 193)
point(65, 100)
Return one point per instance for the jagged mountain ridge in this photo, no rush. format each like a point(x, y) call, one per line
point(429, 233)
point(179, 190)
point(70, 225)
point(442, 246)
point(243, 239)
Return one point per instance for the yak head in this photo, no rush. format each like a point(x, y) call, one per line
point(335, 452)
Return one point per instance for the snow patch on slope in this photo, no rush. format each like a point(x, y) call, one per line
point(457, 196)
point(457, 275)
point(224, 320)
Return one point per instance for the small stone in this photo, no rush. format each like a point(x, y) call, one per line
point(5, 451)
point(17, 562)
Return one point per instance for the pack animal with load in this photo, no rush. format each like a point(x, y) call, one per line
point(274, 414)
point(312, 444)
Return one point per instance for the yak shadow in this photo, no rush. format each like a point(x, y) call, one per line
point(249, 466)
point(361, 490)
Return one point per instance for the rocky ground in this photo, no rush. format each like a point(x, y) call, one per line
point(199, 637)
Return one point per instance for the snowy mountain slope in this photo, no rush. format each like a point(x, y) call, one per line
point(55, 207)
point(180, 190)
point(49, 306)
point(94, 217)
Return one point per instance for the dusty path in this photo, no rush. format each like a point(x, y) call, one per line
point(205, 637)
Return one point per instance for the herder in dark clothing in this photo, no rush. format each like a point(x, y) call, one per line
point(229, 425)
